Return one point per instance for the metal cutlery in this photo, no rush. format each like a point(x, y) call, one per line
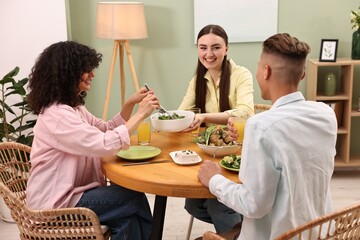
point(161, 110)
point(143, 163)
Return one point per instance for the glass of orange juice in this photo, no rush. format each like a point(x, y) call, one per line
point(239, 124)
point(195, 132)
point(144, 132)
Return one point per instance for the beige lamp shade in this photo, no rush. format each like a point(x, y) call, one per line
point(121, 20)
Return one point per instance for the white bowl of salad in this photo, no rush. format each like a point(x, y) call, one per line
point(216, 141)
point(175, 121)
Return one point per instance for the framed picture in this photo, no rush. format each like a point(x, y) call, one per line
point(328, 50)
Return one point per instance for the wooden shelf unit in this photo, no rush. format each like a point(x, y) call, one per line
point(343, 97)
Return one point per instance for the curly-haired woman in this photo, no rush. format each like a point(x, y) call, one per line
point(69, 142)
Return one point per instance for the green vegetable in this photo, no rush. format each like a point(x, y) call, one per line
point(172, 116)
point(204, 136)
point(231, 161)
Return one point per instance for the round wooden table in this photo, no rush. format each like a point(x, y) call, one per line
point(163, 179)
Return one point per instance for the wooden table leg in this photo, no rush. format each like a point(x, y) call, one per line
point(158, 217)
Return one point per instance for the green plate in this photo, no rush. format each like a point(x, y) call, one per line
point(229, 168)
point(139, 153)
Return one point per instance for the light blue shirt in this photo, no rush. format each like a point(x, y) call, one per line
point(286, 168)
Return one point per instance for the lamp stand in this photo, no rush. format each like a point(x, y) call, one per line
point(119, 45)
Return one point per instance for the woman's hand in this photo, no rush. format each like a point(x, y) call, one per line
point(148, 104)
point(198, 120)
point(139, 95)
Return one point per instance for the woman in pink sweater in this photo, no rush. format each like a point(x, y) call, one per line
point(69, 142)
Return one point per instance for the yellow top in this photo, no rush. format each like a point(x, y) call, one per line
point(240, 94)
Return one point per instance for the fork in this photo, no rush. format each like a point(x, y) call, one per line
point(161, 109)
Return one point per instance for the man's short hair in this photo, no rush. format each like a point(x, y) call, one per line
point(287, 46)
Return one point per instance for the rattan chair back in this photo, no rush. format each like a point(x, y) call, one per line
point(339, 225)
point(261, 107)
point(14, 167)
point(64, 223)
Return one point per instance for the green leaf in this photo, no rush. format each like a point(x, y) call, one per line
point(31, 122)
point(20, 104)
point(6, 80)
point(19, 91)
point(9, 109)
point(9, 77)
point(14, 130)
point(19, 87)
point(27, 140)
point(18, 118)
point(10, 130)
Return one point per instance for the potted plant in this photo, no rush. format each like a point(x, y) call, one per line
point(15, 124)
point(14, 110)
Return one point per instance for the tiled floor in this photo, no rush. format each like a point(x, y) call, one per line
point(345, 190)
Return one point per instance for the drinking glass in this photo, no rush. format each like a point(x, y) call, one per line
point(195, 132)
point(239, 123)
point(144, 132)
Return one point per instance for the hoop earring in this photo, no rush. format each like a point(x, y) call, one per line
point(82, 94)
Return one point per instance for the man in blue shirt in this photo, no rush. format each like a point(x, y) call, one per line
point(288, 151)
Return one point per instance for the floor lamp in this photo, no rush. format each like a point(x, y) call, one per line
point(120, 21)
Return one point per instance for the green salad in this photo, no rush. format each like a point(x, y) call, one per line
point(172, 116)
point(231, 161)
point(217, 135)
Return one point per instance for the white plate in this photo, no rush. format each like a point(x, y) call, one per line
point(175, 158)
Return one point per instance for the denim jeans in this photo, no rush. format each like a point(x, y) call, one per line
point(126, 212)
point(212, 211)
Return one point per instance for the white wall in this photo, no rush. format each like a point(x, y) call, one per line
point(26, 29)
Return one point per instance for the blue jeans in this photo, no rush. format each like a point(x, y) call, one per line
point(126, 212)
point(212, 211)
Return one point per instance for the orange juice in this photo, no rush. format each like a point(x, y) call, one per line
point(239, 124)
point(144, 133)
point(195, 132)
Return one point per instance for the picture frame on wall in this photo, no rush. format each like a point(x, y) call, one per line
point(328, 50)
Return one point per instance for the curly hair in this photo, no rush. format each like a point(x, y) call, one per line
point(200, 94)
point(56, 75)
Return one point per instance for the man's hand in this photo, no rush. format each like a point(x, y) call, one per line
point(232, 131)
point(207, 171)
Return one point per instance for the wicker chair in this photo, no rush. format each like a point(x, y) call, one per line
point(65, 223)
point(261, 107)
point(339, 225)
point(342, 224)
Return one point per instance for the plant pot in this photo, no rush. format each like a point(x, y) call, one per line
point(355, 46)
